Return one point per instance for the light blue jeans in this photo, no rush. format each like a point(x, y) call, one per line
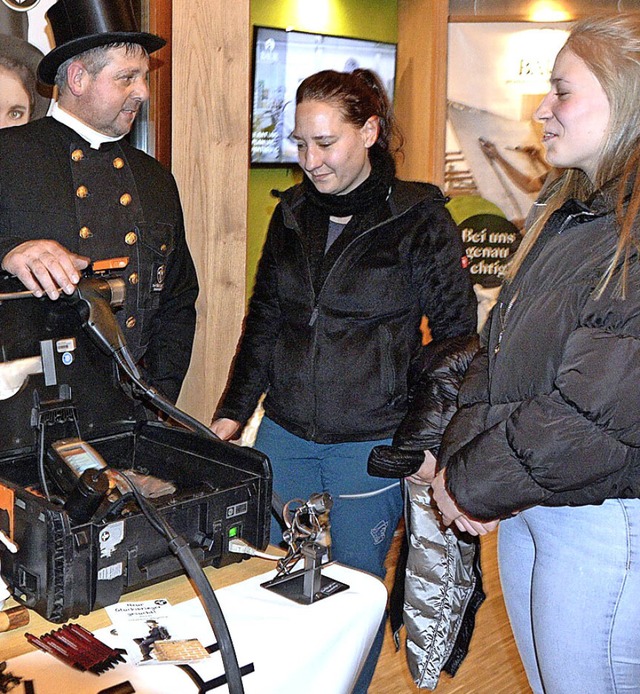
point(571, 583)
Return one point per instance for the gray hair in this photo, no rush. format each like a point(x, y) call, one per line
point(95, 60)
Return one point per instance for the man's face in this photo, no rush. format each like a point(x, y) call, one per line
point(111, 100)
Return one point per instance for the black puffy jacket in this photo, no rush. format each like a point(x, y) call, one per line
point(433, 395)
point(334, 357)
point(549, 407)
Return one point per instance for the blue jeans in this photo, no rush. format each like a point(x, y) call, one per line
point(571, 583)
point(365, 513)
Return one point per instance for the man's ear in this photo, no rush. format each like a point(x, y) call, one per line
point(370, 131)
point(77, 78)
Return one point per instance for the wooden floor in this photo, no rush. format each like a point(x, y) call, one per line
point(492, 665)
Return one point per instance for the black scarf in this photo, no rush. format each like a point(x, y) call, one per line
point(367, 205)
point(371, 192)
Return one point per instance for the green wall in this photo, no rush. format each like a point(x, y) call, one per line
point(366, 19)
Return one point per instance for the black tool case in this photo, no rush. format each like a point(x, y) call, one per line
point(64, 568)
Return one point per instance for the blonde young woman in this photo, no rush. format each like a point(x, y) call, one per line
point(547, 439)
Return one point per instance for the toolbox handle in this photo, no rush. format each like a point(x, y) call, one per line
point(160, 568)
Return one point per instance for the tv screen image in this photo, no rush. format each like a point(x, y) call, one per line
point(281, 60)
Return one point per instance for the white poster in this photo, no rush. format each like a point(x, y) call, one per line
point(26, 20)
point(497, 75)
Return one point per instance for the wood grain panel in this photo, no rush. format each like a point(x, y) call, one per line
point(210, 113)
point(421, 87)
point(160, 81)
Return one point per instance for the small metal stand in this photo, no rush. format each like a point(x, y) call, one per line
point(309, 524)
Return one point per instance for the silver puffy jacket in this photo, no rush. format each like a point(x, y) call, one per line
point(442, 590)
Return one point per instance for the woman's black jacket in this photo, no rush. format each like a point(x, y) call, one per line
point(332, 348)
point(550, 406)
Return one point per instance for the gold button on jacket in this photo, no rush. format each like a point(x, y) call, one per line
point(82, 191)
point(131, 238)
point(77, 155)
point(125, 199)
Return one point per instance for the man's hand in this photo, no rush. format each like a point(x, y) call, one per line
point(45, 267)
point(225, 428)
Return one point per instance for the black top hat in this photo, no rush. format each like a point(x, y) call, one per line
point(79, 25)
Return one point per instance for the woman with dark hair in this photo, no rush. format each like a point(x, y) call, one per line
point(547, 438)
point(20, 101)
point(354, 259)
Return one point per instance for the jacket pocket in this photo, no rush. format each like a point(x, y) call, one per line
point(156, 242)
point(388, 376)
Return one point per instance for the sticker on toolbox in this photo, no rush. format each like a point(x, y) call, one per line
point(110, 537)
point(67, 344)
point(6, 510)
point(109, 572)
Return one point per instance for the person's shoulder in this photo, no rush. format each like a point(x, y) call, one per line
point(139, 156)
point(27, 146)
point(145, 166)
point(406, 195)
point(290, 196)
point(35, 130)
point(290, 200)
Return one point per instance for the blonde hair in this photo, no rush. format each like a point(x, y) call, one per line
point(610, 48)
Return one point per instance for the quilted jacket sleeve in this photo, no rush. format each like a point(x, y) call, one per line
point(576, 445)
point(473, 405)
point(445, 287)
point(432, 402)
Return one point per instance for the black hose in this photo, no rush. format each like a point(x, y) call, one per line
point(180, 547)
point(156, 398)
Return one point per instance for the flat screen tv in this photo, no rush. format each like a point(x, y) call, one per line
point(281, 60)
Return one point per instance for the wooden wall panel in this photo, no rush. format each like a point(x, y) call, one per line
point(159, 18)
point(421, 87)
point(210, 107)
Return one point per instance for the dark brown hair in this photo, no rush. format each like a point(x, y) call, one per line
point(358, 95)
point(25, 75)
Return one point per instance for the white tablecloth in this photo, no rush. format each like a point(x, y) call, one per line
point(307, 649)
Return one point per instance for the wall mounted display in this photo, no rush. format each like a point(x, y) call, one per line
point(281, 60)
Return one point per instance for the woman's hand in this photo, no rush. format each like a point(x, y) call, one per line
point(427, 471)
point(452, 514)
point(225, 428)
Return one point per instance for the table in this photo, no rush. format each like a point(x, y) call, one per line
point(293, 648)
